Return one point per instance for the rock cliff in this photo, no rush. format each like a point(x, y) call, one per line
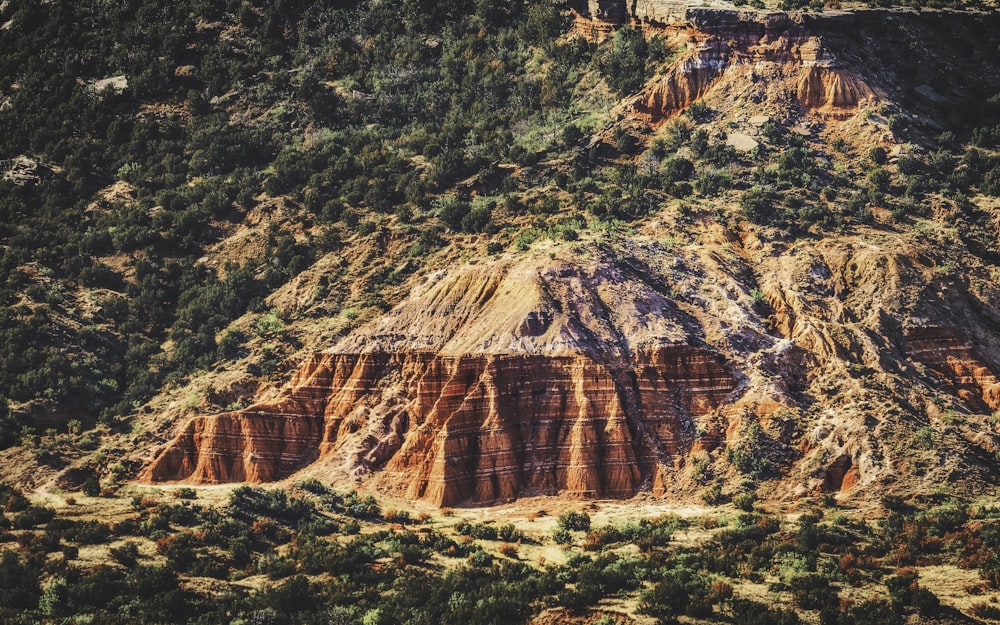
point(485, 386)
point(952, 358)
point(758, 56)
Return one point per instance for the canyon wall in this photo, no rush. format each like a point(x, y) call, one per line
point(464, 429)
point(952, 358)
point(484, 386)
point(769, 55)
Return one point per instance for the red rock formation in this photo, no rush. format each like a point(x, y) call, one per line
point(483, 386)
point(685, 84)
point(476, 428)
point(836, 92)
point(247, 446)
point(751, 49)
point(946, 353)
point(260, 444)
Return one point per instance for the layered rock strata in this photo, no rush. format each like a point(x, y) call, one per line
point(454, 429)
point(543, 407)
point(944, 351)
point(762, 51)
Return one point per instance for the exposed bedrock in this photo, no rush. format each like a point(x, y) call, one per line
point(481, 387)
point(598, 376)
point(820, 63)
point(952, 358)
point(455, 429)
point(756, 59)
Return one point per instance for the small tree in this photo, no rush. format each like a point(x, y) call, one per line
point(623, 62)
point(52, 603)
point(91, 487)
point(574, 521)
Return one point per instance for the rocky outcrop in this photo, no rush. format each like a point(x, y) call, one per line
point(944, 351)
point(454, 429)
point(24, 171)
point(760, 50)
point(832, 91)
point(250, 446)
point(682, 86)
point(485, 386)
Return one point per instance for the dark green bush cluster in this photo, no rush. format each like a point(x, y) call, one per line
point(573, 520)
point(595, 579)
point(679, 591)
point(248, 503)
point(754, 453)
point(413, 81)
point(626, 58)
point(506, 532)
point(322, 564)
point(646, 534)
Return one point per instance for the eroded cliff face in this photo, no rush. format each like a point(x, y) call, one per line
point(598, 373)
point(487, 428)
point(951, 357)
point(754, 57)
point(485, 386)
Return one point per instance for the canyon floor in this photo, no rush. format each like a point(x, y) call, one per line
point(532, 527)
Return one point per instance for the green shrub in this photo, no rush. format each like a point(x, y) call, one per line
point(711, 182)
point(33, 516)
point(579, 521)
point(751, 454)
point(679, 591)
point(451, 210)
point(757, 205)
point(127, 554)
point(745, 501)
point(623, 61)
point(747, 612)
point(713, 495)
point(509, 533)
point(925, 437)
point(91, 487)
point(879, 179)
point(699, 112)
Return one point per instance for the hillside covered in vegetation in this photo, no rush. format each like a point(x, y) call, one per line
point(739, 263)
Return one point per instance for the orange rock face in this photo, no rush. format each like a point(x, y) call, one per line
point(946, 353)
point(464, 429)
point(831, 90)
point(483, 386)
point(759, 57)
point(259, 444)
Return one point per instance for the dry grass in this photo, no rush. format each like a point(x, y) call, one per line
point(957, 588)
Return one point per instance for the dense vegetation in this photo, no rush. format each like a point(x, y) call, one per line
point(319, 556)
point(335, 120)
point(359, 111)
